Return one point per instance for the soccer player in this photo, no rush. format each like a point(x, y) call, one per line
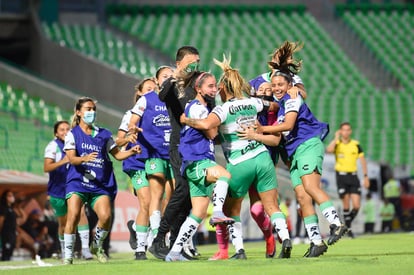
point(134, 167)
point(151, 113)
point(248, 160)
point(200, 168)
point(90, 178)
point(347, 152)
point(56, 164)
point(303, 134)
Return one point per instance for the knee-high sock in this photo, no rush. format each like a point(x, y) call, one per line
point(279, 221)
point(84, 235)
point(69, 245)
point(155, 220)
point(262, 220)
point(236, 233)
point(222, 236)
point(329, 212)
point(142, 234)
point(100, 236)
point(220, 193)
point(187, 230)
point(312, 228)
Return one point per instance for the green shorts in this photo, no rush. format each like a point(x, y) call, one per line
point(59, 205)
point(88, 198)
point(258, 171)
point(196, 175)
point(157, 165)
point(307, 158)
point(138, 179)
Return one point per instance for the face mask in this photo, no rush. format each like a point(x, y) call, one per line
point(211, 101)
point(192, 67)
point(89, 117)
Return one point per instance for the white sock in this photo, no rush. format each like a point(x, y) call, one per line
point(219, 194)
point(84, 237)
point(155, 220)
point(331, 215)
point(62, 245)
point(236, 235)
point(187, 231)
point(312, 228)
point(100, 236)
point(279, 221)
point(141, 241)
point(69, 240)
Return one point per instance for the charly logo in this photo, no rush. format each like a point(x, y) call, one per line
point(161, 120)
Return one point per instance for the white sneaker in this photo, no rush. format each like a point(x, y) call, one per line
point(39, 262)
point(297, 240)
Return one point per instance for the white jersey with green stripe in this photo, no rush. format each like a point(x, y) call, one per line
point(234, 115)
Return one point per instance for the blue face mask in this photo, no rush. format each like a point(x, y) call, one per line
point(192, 67)
point(89, 117)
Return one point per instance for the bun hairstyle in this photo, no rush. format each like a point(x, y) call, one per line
point(232, 80)
point(283, 62)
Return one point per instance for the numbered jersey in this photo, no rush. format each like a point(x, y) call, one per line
point(234, 115)
point(95, 176)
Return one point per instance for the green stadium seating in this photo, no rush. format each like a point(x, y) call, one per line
point(27, 127)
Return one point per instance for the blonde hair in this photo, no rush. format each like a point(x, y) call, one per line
point(232, 80)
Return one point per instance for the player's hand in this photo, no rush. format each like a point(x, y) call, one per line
point(131, 137)
point(258, 127)
point(90, 157)
point(183, 119)
point(293, 92)
point(136, 149)
point(247, 132)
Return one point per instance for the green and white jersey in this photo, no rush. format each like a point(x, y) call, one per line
point(234, 114)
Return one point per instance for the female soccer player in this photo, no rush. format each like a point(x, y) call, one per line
point(90, 178)
point(200, 168)
point(135, 168)
point(56, 164)
point(248, 160)
point(303, 134)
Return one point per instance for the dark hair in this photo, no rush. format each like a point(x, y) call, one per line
point(57, 124)
point(201, 78)
point(346, 123)
point(159, 70)
point(283, 63)
point(183, 51)
point(3, 199)
point(78, 106)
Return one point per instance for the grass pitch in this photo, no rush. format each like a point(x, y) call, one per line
point(371, 254)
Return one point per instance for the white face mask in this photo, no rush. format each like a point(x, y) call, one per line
point(89, 117)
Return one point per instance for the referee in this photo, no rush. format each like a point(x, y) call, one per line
point(347, 151)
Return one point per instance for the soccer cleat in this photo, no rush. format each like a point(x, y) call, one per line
point(286, 249)
point(172, 257)
point(270, 247)
point(158, 249)
point(190, 253)
point(220, 219)
point(132, 235)
point(220, 255)
point(68, 261)
point(336, 233)
point(316, 250)
point(140, 256)
point(99, 253)
point(350, 233)
point(86, 254)
point(240, 255)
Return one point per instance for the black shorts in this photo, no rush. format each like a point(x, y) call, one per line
point(348, 183)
